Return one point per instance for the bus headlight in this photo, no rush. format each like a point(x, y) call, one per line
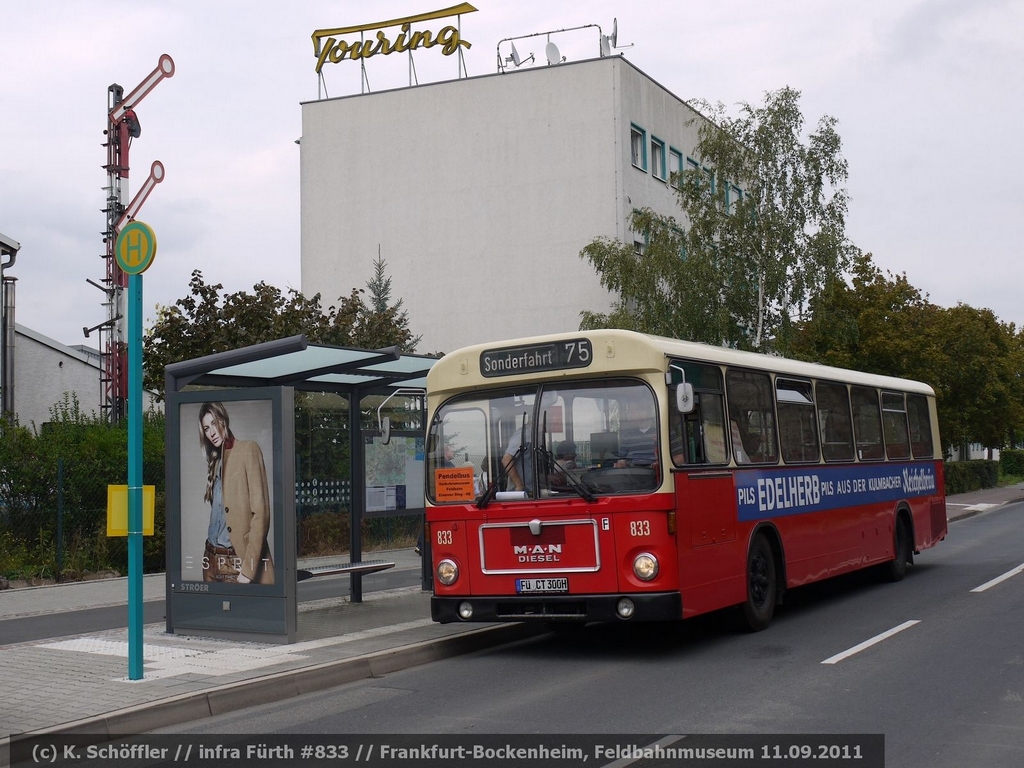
point(645, 566)
point(447, 572)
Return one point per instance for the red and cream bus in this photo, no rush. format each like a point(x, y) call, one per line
point(608, 475)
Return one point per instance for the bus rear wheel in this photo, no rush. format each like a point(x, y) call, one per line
point(759, 607)
point(896, 568)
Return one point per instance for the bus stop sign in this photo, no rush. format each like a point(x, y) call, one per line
point(135, 248)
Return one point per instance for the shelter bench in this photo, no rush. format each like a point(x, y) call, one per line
point(367, 566)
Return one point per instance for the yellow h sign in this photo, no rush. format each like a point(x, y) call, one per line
point(135, 247)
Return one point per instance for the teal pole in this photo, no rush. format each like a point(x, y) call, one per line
point(135, 666)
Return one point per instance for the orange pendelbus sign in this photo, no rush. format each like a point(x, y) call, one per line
point(453, 484)
point(328, 47)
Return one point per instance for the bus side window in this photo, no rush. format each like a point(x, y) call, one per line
point(751, 400)
point(698, 437)
point(834, 417)
point(920, 426)
point(867, 423)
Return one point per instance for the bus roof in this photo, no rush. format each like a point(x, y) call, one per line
point(628, 351)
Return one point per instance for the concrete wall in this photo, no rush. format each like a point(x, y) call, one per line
point(481, 192)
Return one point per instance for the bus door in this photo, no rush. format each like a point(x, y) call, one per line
point(711, 560)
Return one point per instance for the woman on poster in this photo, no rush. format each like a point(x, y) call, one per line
point(236, 490)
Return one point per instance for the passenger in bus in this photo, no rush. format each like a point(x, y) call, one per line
point(638, 439)
point(737, 445)
point(565, 455)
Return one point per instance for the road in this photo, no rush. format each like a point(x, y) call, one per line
point(943, 679)
point(47, 626)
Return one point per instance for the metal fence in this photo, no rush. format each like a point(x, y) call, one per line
point(53, 524)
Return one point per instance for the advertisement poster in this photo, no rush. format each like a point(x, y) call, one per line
point(227, 493)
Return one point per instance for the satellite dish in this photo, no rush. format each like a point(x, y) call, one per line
point(606, 47)
point(551, 51)
point(515, 56)
point(614, 38)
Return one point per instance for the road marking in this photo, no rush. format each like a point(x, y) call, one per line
point(979, 507)
point(999, 579)
point(868, 643)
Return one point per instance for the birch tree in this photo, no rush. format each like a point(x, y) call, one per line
point(762, 230)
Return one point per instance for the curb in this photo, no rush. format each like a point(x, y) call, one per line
point(972, 512)
point(279, 686)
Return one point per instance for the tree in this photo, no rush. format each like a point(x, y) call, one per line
point(384, 320)
point(659, 292)
point(979, 388)
point(880, 323)
point(209, 320)
point(764, 232)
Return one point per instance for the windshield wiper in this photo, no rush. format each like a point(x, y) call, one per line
point(550, 462)
point(573, 482)
point(492, 489)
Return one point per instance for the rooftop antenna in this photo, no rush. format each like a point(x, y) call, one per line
point(553, 54)
point(515, 58)
point(610, 42)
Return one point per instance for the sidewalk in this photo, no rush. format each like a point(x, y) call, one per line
point(79, 683)
point(968, 504)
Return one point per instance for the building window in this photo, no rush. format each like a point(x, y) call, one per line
point(694, 166)
point(709, 178)
point(638, 147)
point(658, 158)
point(675, 167)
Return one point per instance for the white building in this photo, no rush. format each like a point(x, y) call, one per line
point(480, 193)
point(44, 370)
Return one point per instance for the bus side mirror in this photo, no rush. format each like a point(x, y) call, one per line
point(385, 430)
point(684, 397)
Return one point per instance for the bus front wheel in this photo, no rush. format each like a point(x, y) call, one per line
point(759, 607)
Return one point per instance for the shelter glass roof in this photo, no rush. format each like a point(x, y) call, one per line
point(295, 362)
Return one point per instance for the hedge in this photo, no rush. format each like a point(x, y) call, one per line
point(964, 476)
point(1012, 462)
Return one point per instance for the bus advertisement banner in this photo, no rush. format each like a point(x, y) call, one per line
point(764, 493)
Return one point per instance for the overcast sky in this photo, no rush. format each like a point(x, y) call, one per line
point(928, 95)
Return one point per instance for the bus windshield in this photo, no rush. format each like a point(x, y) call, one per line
point(545, 441)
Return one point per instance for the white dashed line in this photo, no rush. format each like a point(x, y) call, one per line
point(868, 643)
point(999, 579)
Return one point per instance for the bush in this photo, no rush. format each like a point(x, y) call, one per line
point(324, 533)
point(63, 470)
point(964, 476)
point(1011, 462)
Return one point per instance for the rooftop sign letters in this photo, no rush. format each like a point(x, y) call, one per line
point(328, 47)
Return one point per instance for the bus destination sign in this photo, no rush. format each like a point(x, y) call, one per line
point(536, 358)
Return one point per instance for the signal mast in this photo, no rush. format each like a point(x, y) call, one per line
point(122, 126)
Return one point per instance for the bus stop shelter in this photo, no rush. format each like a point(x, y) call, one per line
point(254, 387)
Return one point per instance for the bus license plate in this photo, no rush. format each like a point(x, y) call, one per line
point(533, 586)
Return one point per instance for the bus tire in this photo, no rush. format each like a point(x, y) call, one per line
point(896, 568)
point(762, 587)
